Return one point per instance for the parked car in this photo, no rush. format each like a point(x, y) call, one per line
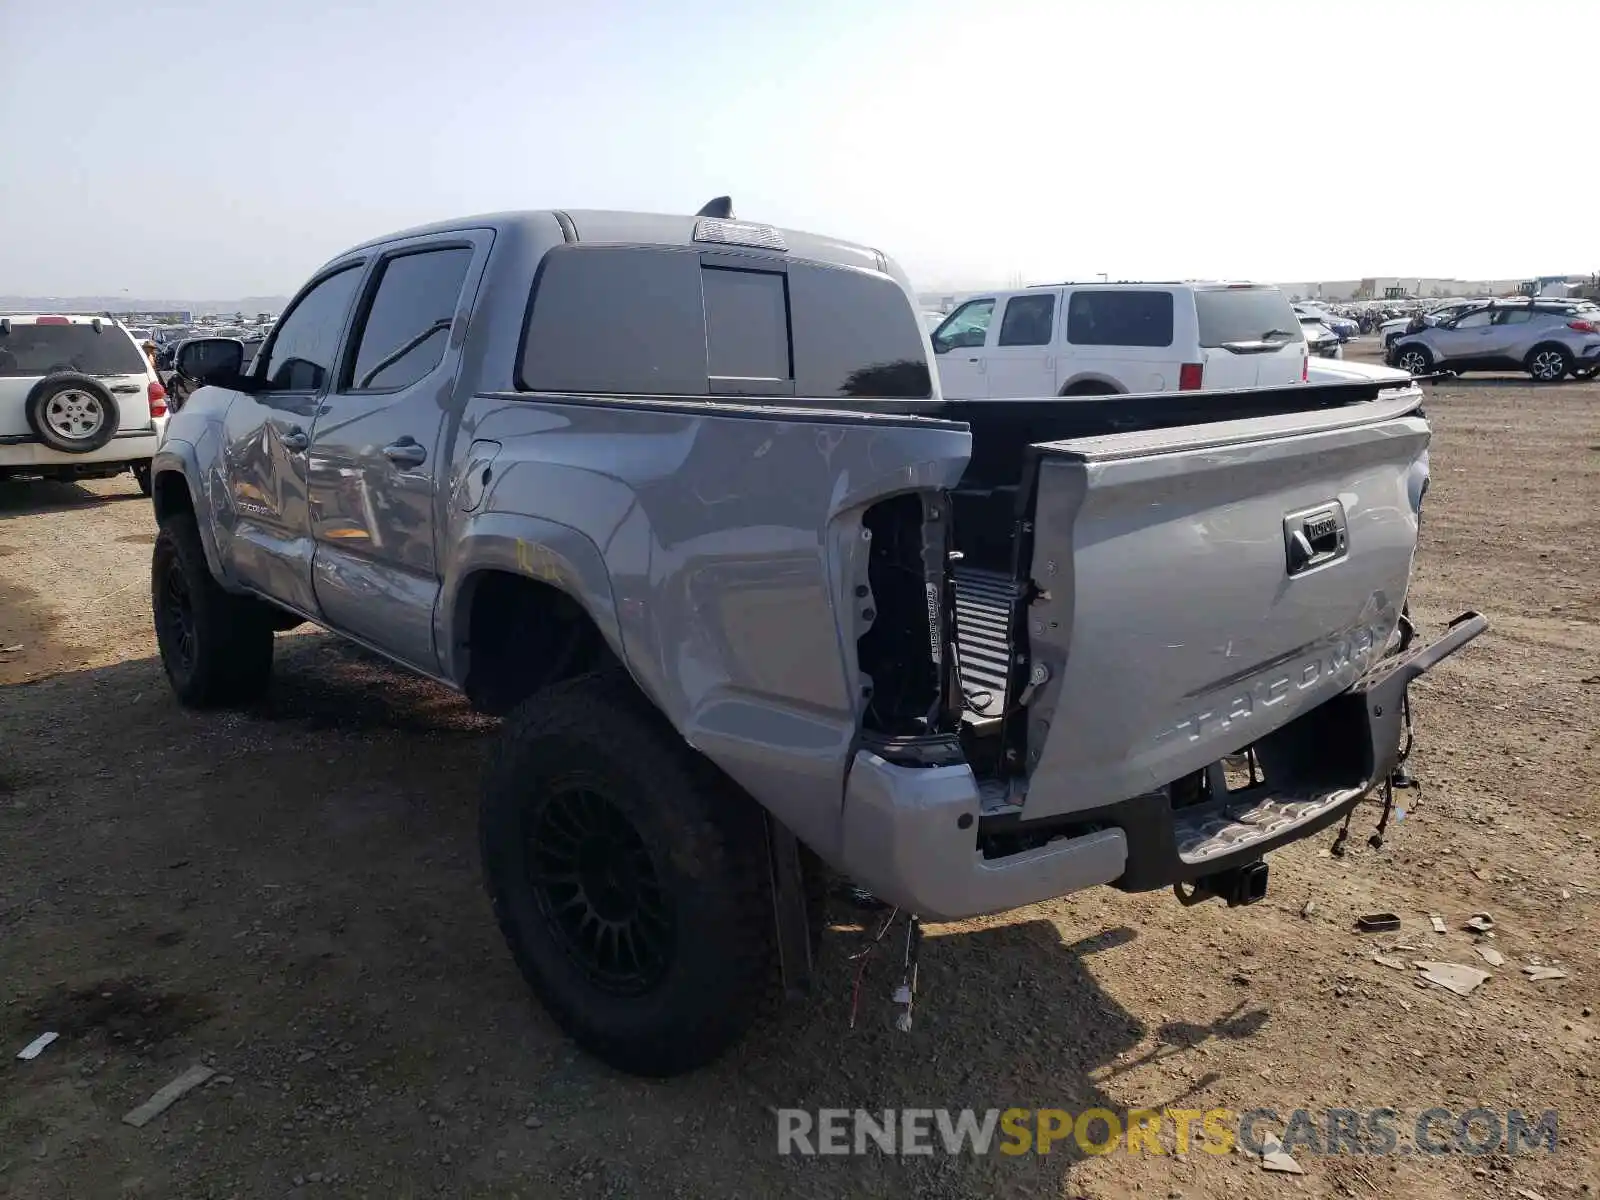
point(1547, 339)
point(1321, 341)
point(1343, 327)
point(79, 399)
point(1392, 330)
point(680, 495)
point(1102, 339)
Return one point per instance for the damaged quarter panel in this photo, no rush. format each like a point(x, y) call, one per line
point(731, 540)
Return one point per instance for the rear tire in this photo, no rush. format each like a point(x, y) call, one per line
point(1415, 360)
point(1548, 364)
point(628, 876)
point(216, 647)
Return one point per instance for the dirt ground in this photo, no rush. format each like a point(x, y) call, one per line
point(291, 895)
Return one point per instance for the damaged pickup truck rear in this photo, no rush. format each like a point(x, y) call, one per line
point(680, 497)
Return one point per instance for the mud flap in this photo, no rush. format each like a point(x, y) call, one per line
point(793, 922)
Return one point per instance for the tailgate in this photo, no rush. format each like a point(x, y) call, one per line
point(1204, 585)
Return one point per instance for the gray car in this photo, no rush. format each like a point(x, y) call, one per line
point(1546, 339)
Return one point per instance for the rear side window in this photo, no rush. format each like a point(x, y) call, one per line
point(1244, 314)
point(655, 321)
point(1120, 318)
point(1515, 316)
point(1028, 321)
point(50, 349)
point(408, 325)
point(855, 334)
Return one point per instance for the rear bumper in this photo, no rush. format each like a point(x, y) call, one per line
point(911, 834)
point(28, 453)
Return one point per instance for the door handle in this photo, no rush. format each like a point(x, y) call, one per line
point(295, 440)
point(405, 453)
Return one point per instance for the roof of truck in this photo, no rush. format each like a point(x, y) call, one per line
point(658, 229)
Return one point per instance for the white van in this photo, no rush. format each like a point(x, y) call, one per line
point(1101, 339)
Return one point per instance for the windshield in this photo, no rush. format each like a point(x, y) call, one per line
point(1245, 314)
point(49, 349)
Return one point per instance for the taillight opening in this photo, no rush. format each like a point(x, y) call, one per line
point(1191, 376)
point(1305, 367)
point(1584, 326)
point(158, 398)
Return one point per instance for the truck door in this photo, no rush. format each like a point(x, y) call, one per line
point(376, 451)
point(1465, 341)
point(1022, 360)
point(958, 350)
point(267, 431)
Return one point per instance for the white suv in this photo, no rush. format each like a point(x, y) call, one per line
point(1100, 339)
point(79, 399)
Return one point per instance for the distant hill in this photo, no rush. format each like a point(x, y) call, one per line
point(249, 305)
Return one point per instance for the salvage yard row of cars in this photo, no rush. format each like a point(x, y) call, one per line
point(78, 400)
point(682, 498)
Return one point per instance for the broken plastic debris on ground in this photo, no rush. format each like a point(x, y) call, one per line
point(169, 1095)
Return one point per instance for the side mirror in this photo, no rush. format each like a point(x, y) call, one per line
point(215, 361)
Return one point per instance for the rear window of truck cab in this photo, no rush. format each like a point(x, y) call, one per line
point(663, 321)
point(50, 349)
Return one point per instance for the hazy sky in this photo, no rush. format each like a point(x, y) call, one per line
point(214, 150)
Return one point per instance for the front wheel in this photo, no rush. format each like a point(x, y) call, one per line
point(629, 877)
point(216, 647)
point(1547, 364)
point(1414, 360)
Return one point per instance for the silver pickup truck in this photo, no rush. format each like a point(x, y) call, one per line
point(679, 496)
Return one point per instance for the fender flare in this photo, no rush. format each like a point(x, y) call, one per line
point(179, 457)
point(544, 551)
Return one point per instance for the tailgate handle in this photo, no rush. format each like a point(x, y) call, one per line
point(1314, 537)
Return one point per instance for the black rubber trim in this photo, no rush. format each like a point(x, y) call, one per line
point(828, 410)
point(569, 231)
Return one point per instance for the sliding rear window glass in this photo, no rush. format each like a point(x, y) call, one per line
point(656, 321)
point(747, 324)
point(1244, 314)
point(50, 349)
